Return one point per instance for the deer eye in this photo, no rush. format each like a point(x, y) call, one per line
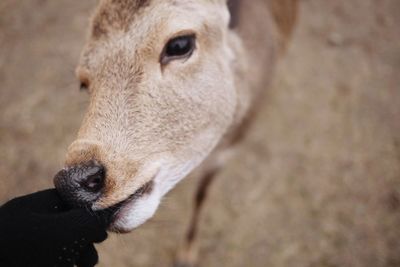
point(178, 47)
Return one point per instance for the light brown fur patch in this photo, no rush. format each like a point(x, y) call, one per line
point(150, 121)
point(115, 15)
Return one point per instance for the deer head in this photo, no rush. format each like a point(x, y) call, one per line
point(161, 83)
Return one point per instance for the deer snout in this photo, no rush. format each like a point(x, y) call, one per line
point(81, 185)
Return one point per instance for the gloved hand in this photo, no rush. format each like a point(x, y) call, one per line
point(37, 230)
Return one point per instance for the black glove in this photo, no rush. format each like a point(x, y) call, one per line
point(38, 230)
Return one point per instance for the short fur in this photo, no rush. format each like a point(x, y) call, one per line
point(152, 122)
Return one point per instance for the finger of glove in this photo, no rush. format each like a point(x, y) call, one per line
point(80, 223)
point(42, 201)
point(106, 216)
point(88, 258)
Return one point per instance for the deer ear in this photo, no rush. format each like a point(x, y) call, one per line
point(234, 8)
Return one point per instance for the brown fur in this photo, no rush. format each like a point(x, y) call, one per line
point(115, 15)
point(153, 123)
point(284, 13)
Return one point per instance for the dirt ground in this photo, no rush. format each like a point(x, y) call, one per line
point(317, 182)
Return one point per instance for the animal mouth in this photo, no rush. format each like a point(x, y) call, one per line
point(118, 211)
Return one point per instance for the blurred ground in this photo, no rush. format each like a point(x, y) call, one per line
point(318, 180)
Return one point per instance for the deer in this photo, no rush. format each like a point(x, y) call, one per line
point(174, 85)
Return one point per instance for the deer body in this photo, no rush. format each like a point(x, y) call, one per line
point(153, 118)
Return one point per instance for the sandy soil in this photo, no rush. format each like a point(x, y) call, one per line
point(317, 182)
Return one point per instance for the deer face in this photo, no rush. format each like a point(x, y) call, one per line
point(161, 91)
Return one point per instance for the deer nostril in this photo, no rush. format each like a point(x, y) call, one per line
point(81, 185)
point(94, 180)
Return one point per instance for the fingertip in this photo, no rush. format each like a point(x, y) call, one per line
point(100, 237)
point(89, 257)
point(87, 224)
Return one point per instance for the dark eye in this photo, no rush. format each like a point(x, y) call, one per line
point(177, 48)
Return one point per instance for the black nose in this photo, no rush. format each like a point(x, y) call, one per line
point(81, 185)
